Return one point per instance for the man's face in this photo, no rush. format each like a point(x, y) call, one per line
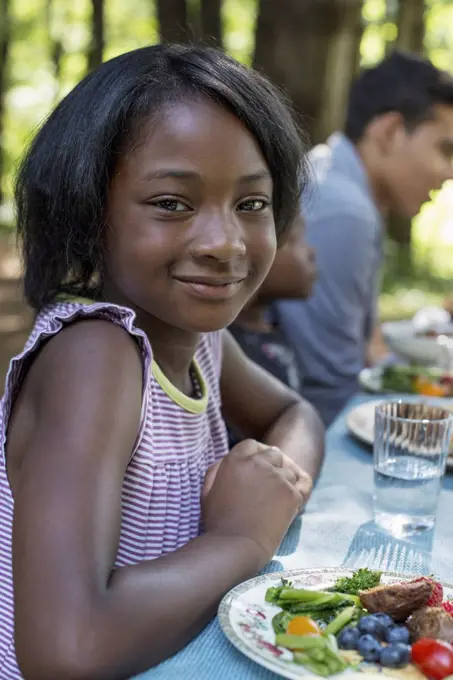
point(418, 162)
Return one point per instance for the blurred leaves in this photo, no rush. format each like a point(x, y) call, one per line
point(34, 85)
point(134, 24)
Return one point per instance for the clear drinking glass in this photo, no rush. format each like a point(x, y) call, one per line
point(411, 446)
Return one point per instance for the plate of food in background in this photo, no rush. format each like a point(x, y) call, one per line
point(407, 379)
point(335, 622)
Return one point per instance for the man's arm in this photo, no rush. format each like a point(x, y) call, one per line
point(377, 349)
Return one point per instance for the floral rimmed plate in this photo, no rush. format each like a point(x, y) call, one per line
point(246, 619)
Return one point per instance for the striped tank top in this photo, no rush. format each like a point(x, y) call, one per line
point(179, 438)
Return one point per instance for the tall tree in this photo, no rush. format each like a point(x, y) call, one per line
point(55, 46)
point(96, 48)
point(342, 66)
point(5, 42)
point(211, 22)
point(173, 21)
point(299, 43)
point(411, 33)
point(411, 25)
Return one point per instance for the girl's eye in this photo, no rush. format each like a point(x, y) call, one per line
point(171, 205)
point(253, 205)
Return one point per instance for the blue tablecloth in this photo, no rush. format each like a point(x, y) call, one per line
point(336, 529)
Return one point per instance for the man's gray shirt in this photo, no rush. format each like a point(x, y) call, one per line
point(330, 331)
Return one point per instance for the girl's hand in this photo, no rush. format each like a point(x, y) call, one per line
point(305, 481)
point(255, 492)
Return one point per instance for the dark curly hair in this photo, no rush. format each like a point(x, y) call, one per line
point(63, 180)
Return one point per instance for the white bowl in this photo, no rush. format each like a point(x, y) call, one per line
point(402, 338)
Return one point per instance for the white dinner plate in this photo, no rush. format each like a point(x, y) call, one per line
point(246, 619)
point(360, 423)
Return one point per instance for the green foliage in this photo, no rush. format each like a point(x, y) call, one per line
point(239, 17)
point(34, 89)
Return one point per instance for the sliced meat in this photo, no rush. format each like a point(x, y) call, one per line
point(398, 600)
point(431, 622)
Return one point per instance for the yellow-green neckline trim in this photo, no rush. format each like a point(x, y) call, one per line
point(187, 403)
point(181, 399)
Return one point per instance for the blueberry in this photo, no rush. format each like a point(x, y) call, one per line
point(372, 626)
point(395, 655)
point(348, 638)
point(384, 619)
point(369, 648)
point(397, 634)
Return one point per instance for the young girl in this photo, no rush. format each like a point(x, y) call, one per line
point(149, 206)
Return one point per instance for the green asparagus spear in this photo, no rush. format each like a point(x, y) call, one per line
point(340, 621)
point(301, 595)
point(316, 667)
point(318, 654)
point(305, 642)
point(334, 663)
point(308, 599)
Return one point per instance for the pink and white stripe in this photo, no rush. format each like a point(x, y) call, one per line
point(163, 481)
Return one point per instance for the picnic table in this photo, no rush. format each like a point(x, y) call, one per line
point(335, 530)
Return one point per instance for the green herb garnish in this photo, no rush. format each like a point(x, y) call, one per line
point(363, 579)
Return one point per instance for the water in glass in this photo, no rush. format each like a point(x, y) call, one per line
point(411, 448)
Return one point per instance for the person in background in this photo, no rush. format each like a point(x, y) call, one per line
point(397, 147)
point(256, 328)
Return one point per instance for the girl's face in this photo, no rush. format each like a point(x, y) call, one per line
point(191, 231)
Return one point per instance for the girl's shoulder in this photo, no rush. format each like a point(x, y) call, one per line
point(66, 311)
point(70, 309)
point(58, 316)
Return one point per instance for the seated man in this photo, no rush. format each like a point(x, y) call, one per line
point(397, 147)
point(256, 329)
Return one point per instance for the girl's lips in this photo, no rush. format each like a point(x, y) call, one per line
point(211, 290)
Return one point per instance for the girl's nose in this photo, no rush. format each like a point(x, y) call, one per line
point(219, 237)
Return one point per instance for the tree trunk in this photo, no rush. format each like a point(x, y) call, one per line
point(411, 25)
point(299, 43)
point(96, 49)
point(411, 33)
point(211, 22)
point(342, 67)
point(55, 48)
point(173, 21)
point(5, 41)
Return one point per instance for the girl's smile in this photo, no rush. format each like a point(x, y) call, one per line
point(220, 288)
